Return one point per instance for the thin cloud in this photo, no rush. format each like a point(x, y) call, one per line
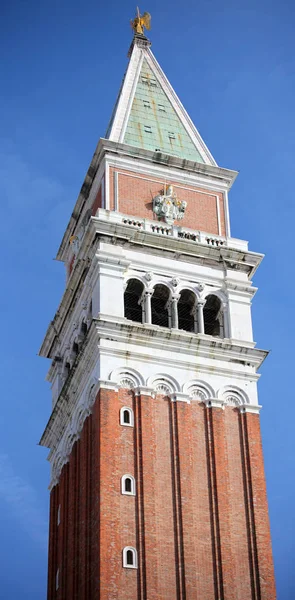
point(22, 502)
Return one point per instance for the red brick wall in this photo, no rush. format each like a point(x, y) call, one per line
point(136, 193)
point(98, 200)
point(199, 520)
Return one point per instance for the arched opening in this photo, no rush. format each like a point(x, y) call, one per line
point(126, 416)
point(160, 297)
point(130, 557)
point(213, 316)
point(132, 295)
point(128, 485)
point(185, 306)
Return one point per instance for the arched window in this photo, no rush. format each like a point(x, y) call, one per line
point(129, 558)
point(132, 295)
point(128, 485)
point(186, 316)
point(213, 316)
point(160, 297)
point(126, 416)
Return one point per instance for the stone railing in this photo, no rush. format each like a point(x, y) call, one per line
point(175, 231)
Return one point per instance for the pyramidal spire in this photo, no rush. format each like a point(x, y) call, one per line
point(148, 113)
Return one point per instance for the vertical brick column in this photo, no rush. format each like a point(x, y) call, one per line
point(53, 542)
point(146, 490)
point(96, 529)
point(71, 517)
point(178, 499)
point(63, 534)
point(77, 540)
point(260, 540)
point(225, 584)
point(84, 499)
point(106, 497)
point(189, 499)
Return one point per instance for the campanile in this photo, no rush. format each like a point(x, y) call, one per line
point(157, 487)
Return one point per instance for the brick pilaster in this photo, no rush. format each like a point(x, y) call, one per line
point(225, 584)
point(72, 523)
point(146, 492)
point(53, 542)
point(263, 582)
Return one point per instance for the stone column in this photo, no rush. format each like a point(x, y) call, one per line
point(226, 320)
point(174, 310)
point(148, 306)
point(200, 320)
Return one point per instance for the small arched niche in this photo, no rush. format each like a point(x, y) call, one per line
point(159, 302)
point(185, 307)
point(213, 316)
point(132, 295)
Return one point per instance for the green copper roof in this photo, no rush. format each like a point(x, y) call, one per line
point(153, 123)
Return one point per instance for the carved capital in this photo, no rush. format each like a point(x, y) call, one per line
point(149, 276)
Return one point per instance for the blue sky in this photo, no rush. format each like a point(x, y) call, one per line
point(232, 64)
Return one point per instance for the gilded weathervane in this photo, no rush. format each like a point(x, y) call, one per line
point(140, 22)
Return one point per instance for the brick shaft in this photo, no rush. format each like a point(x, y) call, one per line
point(199, 519)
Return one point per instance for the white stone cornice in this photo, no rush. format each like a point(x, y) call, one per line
point(144, 390)
point(108, 385)
point(175, 340)
point(180, 397)
point(214, 403)
point(250, 408)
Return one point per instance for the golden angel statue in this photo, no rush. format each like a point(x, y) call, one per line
point(140, 22)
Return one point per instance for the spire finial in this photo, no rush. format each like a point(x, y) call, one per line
point(140, 22)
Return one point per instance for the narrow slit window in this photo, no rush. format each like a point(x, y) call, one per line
point(148, 129)
point(58, 515)
point(162, 108)
point(146, 104)
point(171, 135)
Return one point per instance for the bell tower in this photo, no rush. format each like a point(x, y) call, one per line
point(157, 487)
